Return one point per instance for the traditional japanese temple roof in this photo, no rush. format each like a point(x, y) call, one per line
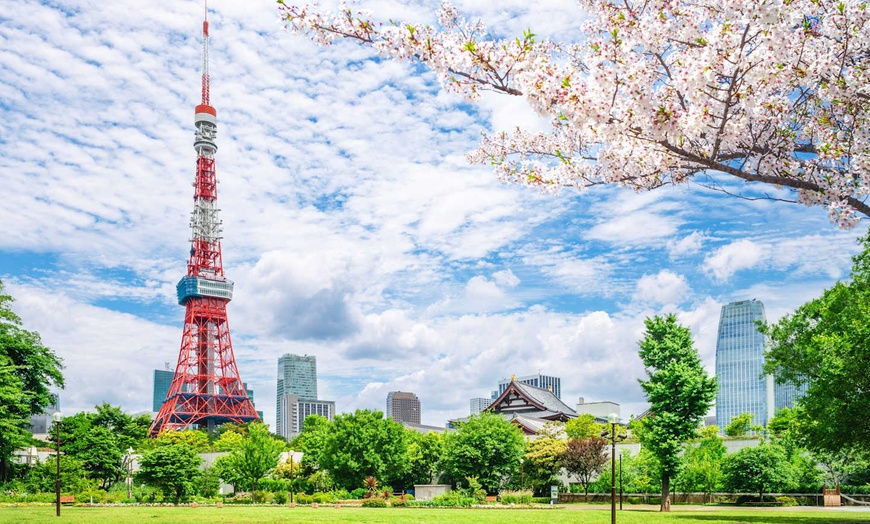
point(530, 407)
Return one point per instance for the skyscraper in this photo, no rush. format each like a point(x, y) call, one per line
point(743, 388)
point(297, 378)
point(551, 384)
point(740, 363)
point(403, 407)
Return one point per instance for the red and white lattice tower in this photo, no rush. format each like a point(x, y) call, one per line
point(206, 389)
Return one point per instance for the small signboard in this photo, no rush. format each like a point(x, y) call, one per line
point(554, 494)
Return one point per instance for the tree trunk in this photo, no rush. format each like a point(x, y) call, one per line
point(666, 488)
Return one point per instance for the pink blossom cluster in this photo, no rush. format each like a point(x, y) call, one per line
point(773, 92)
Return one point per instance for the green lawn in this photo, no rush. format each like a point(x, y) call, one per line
point(277, 514)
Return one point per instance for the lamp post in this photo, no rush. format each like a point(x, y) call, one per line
point(129, 473)
point(57, 417)
point(613, 437)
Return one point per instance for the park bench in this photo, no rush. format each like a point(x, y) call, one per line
point(67, 499)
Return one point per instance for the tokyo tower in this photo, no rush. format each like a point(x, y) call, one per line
point(206, 389)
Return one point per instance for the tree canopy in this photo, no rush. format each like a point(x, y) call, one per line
point(825, 345)
point(584, 459)
point(363, 444)
point(679, 392)
point(256, 456)
point(658, 93)
point(27, 370)
point(487, 447)
point(173, 468)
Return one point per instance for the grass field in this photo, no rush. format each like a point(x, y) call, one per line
point(278, 515)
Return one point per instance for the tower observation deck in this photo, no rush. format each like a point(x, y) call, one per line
point(206, 389)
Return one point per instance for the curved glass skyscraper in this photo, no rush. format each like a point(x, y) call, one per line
point(740, 366)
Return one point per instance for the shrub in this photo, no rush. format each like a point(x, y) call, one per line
point(541, 500)
point(242, 497)
point(97, 495)
point(302, 498)
point(374, 503)
point(323, 498)
point(398, 503)
point(280, 498)
point(358, 493)
point(520, 496)
point(408, 497)
point(787, 501)
point(454, 499)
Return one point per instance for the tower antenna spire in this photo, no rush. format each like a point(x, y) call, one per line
point(205, 79)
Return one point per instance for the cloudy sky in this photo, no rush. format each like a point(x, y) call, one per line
point(353, 227)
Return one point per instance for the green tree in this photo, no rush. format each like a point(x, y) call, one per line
point(757, 470)
point(256, 457)
point(542, 462)
point(702, 464)
point(583, 427)
point(487, 447)
point(424, 456)
point(741, 425)
point(584, 459)
point(173, 469)
point(194, 439)
point(364, 444)
point(100, 441)
point(679, 391)
point(41, 478)
point(825, 345)
point(27, 370)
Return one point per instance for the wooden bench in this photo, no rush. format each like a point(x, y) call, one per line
point(490, 498)
point(67, 499)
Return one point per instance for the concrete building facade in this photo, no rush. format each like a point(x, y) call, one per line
point(403, 406)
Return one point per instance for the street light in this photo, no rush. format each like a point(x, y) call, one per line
point(57, 417)
point(129, 473)
point(613, 437)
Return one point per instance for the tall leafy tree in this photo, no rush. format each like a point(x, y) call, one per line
point(584, 459)
point(174, 469)
point(679, 392)
point(363, 444)
point(27, 370)
point(256, 456)
point(487, 447)
point(825, 345)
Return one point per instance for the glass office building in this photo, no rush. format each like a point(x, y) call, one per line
point(740, 365)
point(297, 375)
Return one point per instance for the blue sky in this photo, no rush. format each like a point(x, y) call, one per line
point(353, 227)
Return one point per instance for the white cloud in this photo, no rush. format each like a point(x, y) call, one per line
point(688, 245)
point(733, 257)
point(665, 287)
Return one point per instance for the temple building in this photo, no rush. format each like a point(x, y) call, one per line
point(530, 407)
